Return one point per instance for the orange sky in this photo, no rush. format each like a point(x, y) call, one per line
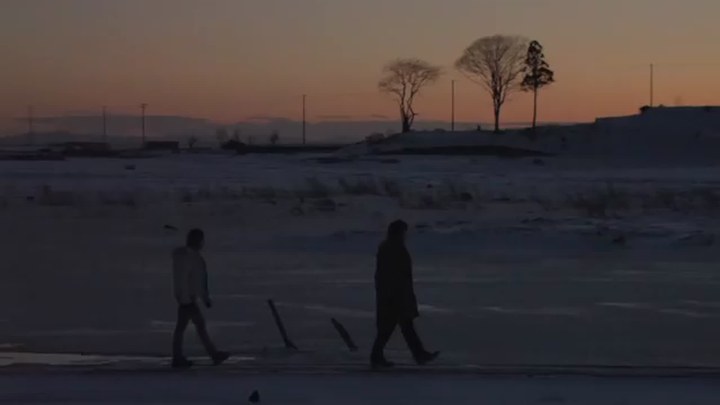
point(231, 59)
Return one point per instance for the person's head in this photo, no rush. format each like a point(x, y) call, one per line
point(397, 231)
point(195, 239)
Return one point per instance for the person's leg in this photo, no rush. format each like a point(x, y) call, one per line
point(421, 355)
point(413, 340)
point(199, 321)
point(385, 329)
point(183, 317)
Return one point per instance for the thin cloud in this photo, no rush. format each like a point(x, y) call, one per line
point(266, 118)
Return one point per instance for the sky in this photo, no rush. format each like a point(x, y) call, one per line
point(231, 60)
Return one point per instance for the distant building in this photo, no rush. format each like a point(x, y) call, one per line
point(162, 145)
point(705, 119)
point(81, 146)
point(87, 149)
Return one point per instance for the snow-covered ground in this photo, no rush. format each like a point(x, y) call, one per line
point(518, 261)
point(139, 388)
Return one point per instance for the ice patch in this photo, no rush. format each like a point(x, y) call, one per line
point(82, 332)
point(701, 304)
point(8, 359)
point(168, 326)
point(683, 312)
point(231, 324)
point(236, 296)
point(54, 359)
point(627, 305)
point(549, 311)
point(356, 313)
point(356, 281)
point(650, 307)
point(434, 309)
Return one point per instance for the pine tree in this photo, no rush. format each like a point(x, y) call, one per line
point(537, 74)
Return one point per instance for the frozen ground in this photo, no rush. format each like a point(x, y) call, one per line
point(156, 388)
point(519, 262)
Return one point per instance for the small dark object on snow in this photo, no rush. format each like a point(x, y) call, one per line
point(345, 335)
point(620, 240)
point(281, 327)
point(466, 197)
point(538, 162)
point(254, 397)
point(170, 227)
point(326, 205)
point(129, 167)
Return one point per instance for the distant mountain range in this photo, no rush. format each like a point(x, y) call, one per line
point(126, 128)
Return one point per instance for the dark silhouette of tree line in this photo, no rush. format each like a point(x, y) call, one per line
point(501, 64)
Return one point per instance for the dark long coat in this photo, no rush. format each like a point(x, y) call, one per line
point(394, 291)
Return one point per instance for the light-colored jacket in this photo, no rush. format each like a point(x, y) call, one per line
point(189, 276)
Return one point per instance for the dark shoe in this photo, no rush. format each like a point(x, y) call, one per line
point(381, 363)
point(254, 397)
point(181, 362)
point(426, 358)
point(220, 357)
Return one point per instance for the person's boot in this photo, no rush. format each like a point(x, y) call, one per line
point(426, 357)
point(181, 363)
point(219, 358)
point(380, 362)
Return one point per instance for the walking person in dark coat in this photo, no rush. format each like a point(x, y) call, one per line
point(190, 284)
point(395, 297)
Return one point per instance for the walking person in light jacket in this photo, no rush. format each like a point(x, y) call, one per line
point(190, 282)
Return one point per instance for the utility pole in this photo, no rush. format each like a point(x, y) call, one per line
point(652, 85)
point(31, 130)
point(304, 121)
point(104, 123)
point(452, 114)
point(143, 107)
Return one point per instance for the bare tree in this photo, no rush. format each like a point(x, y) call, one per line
point(191, 142)
point(222, 136)
point(497, 64)
point(274, 138)
point(403, 79)
point(537, 74)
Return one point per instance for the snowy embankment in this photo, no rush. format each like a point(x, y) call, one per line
point(656, 136)
point(558, 186)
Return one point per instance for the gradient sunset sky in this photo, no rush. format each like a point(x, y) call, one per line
point(228, 60)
